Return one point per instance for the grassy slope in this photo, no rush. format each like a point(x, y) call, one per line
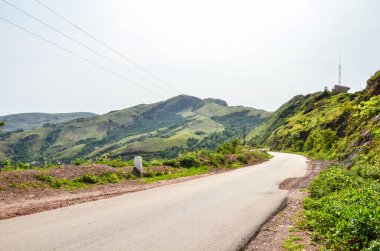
point(29, 121)
point(342, 133)
point(262, 132)
point(342, 211)
point(143, 128)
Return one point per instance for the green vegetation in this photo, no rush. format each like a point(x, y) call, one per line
point(84, 173)
point(179, 172)
point(84, 181)
point(293, 243)
point(29, 121)
point(27, 185)
point(161, 130)
point(342, 210)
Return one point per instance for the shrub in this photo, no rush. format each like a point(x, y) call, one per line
point(79, 161)
point(373, 246)
point(242, 158)
point(211, 158)
point(333, 179)
point(6, 164)
point(20, 165)
point(89, 178)
point(155, 162)
point(370, 108)
point(346, 219)
point(343, 210)
point(50, 180)
point(189, 159)
point(111, 178)
point(320, 140)
point(367, 171)
point(232, 147)
point(200, 133)
point(171, 162)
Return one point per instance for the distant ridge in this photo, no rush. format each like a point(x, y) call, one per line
point(29, 121)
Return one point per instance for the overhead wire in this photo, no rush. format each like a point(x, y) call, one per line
point(80, 57)
point(83, 45)
point(107, 46)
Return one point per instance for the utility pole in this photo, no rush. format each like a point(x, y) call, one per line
point(244, 135)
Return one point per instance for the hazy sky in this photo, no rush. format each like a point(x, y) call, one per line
point(252, 53)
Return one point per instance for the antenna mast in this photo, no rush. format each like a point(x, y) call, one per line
point(340, 70)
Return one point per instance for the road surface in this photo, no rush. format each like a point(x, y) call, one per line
point(218, 212)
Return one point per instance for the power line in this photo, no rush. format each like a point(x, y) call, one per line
point(82, 58)
point(83, 45)
point(107, 46)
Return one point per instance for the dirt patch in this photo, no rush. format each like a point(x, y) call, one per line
point(277, 230)
point(314, 167)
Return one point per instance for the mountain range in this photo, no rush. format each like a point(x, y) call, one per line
point(29, 121)
point(160, 129)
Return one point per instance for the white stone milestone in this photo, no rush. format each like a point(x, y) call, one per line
point(138, 166)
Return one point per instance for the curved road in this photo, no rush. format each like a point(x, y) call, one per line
point(218, 212)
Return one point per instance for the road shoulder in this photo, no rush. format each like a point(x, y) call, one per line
point(281, 232)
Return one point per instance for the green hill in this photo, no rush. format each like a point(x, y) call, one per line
point(29, 121)
point(160, 129)
point(337, 126)
point(342, 210)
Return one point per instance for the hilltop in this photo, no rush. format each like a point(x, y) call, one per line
point(160, 129)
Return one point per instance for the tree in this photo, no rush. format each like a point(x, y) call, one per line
point(1, 124)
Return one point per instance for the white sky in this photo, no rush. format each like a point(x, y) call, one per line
point(252, 53)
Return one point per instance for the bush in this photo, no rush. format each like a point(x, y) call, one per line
point(111, 178)
point(200, 133)
point(343, 209)
point(370, 108)
point(79, 161)
point(232, 147)
point(20, 165)
point(6, 164)
point(333, 179)
point(171, 162)
point(242, 158)
point(211, 158)
point(155, 162)
point(367, 171)
point(50, 180)
point(320, 140)
point(188, 160)
point(373, 246)
point(89, 178)
point(347, 219)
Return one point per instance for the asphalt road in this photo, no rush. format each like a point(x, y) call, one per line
point(218, 212)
